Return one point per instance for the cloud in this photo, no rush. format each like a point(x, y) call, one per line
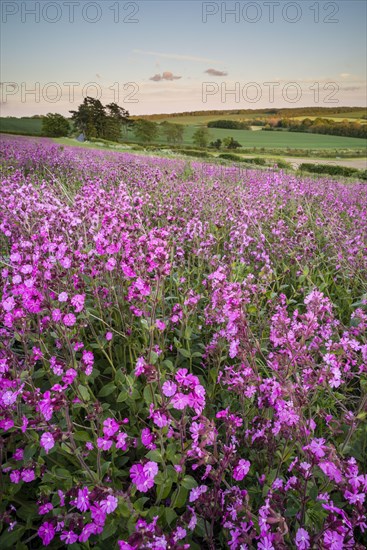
point(344, 75)
point(214, 72)
point(351, 88)
point(177, 57)
point(166, 75)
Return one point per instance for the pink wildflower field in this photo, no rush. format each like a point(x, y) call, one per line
point(183, 357)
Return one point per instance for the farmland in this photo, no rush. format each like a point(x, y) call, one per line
point(248, 139)
point(183, 360)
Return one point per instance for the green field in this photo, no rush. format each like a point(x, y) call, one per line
point(294, 140)
point(277, 140)
point(25, 126)
point(247, 138)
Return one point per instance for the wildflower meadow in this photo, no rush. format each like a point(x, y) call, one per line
point(183, 357)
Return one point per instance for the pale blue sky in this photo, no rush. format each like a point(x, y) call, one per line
point(169, 40)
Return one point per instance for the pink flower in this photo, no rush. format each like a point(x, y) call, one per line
point(69, 320)
point(333, 541)
point(98, 515)
point(355, 498)
point(160, 419)
point(45, 406)
point(88, 530)
point(265, 544)
point(104, 444)
point(160, 324)
point(125, 545)
point(78, 302)
point(302, 539)
point(140, 364)
point(147, 438)
point(69, 537)
point(82, 502)
point(47, 441)
point(18, 455)
point(196, 492)
point(9, 304)
point(69, 376)
point(15, 476)
point(6, 424)
point(110, 427)
point(110, 264)
point(151, 469)
point(121, 441)
point(317, 447)
point(109, 504)
point(180, 401)
point(88, 358)
point(46, 532)
point(45, 508)
point(63, 297)
point(109, 336)
point(169, 388)
point(143, 476)
point(56, 315)
point(28, 475)
point(179, 534)
point(241, 469)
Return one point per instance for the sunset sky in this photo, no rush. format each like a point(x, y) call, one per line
point(181, 55)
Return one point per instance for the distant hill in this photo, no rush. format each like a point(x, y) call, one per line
point(347, 112)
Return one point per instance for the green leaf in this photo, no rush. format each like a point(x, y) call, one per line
point(153, 357)
point(180, 497)
point(139, 504)
point(84, 392)
point(124, 509)
point(109, 530)
point(167, 363)
point(123, 395)
point(81, 436)
point(188, 482)
point(107, 390)
point(171, 450)
point(155, 455)
point(184, 352)
point(147, 393)
point(119, 376)
point(170, 515)
point(104, 467)
point(9, 538)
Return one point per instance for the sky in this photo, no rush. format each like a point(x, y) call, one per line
point(169, 56)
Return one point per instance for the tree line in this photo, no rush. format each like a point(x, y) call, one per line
point(321, 126)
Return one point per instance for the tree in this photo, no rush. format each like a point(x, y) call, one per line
point(201, 137)
point(217, 144)
point(95, 120)
point(118, 117)
point(172, 132)
point(55, 125)
point(145, 130)
point(230, 143)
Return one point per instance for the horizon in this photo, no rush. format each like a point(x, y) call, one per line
point(213, 111)
point(150, 57)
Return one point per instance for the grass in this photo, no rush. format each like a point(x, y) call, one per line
point(309, 143)
point(277, 140)
point(25, 126)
